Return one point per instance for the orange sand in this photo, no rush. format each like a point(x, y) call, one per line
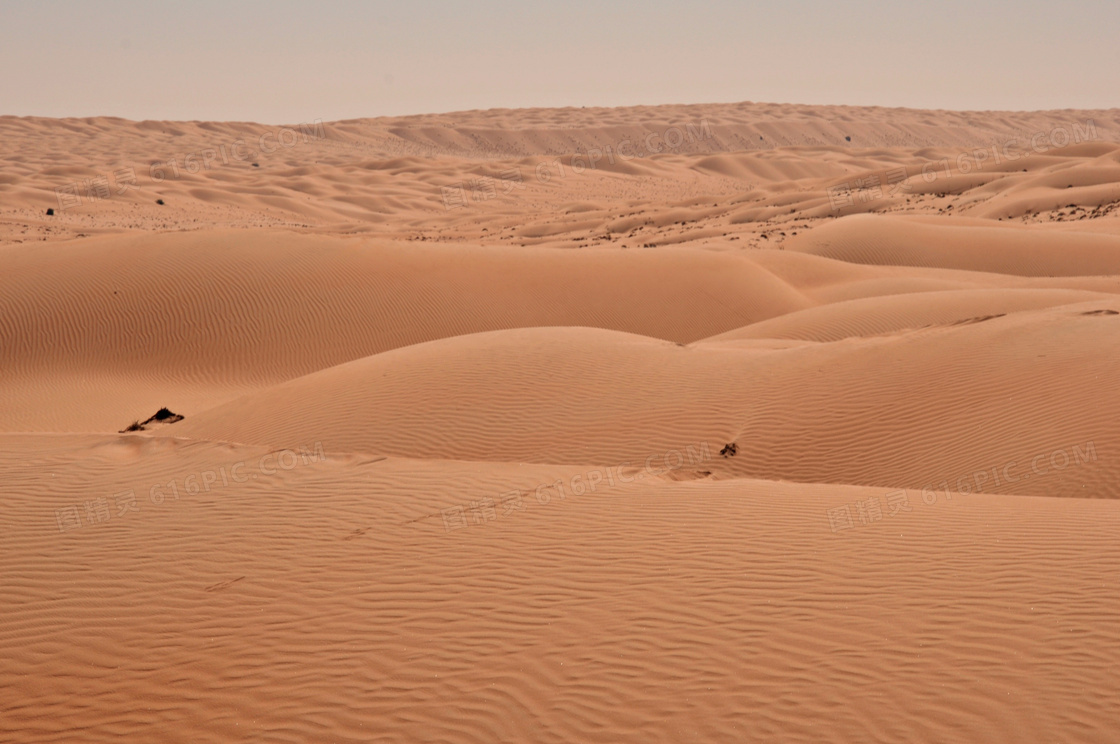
point(454, 464)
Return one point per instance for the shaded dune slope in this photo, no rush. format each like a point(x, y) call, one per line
point(899, 241)
point(900, 411)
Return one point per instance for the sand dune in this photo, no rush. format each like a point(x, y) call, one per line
point(330, 601)
point(922, 242)
point(802, 413)
point(381, 175)
point(739, 422)
point(172, 315)
point(878, 316)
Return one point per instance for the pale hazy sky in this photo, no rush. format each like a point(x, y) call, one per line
point(286, 62)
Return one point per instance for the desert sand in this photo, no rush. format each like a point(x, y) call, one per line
point(723, 423)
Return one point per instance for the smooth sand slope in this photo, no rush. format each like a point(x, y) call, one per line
point(887, 314)
point(889, 411)
point(176, 315)
point(938, 243)
point(798, 425)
